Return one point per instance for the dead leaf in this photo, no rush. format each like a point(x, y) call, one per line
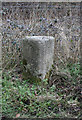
point(17, 115)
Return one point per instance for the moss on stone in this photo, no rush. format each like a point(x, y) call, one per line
point(48, 74)
point(30, 78)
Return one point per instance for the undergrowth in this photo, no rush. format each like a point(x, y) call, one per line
point(28, 100)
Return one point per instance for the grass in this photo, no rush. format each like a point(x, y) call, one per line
point(28, 100)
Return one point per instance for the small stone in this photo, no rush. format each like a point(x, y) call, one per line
point(8, 20)
point(55, 20)
point(50, 25)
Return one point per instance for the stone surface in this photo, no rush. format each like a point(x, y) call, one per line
point(38, 51)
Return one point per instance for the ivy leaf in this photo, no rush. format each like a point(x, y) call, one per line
point(71, 40)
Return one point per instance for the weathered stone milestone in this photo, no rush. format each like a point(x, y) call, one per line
point(38, 51)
